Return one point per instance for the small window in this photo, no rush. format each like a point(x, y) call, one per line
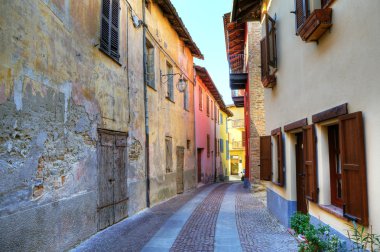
point(221, 118)
point(148, 5)
point(212, 110)
point(150, 71)
point(208, 105)
point(109, 29)
point(200, 98)
point(208, 145)
point(221, 144)
point(186, 99)
point(169, 154)
point(188, 142)
point(302, 11)
point(170, 87)
point(268, 49)
point(335, 166)
point(227, 149)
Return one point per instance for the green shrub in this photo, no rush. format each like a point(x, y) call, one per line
point(300, 222)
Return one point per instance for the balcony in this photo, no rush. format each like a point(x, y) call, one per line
point(237, 145)
point(238, 97)
point(316, 25)
point(238, 123)
point(238, 74)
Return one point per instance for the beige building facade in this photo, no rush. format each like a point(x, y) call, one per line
point(84, 143)
point(322, 110)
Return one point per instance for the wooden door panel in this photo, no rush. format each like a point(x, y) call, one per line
point(180, 166)
point(120, 184)
point(309, 155)
point(265, 158)
point(105, 175)
point(106, 217)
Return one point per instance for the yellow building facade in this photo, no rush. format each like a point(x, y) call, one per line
point(236, 139)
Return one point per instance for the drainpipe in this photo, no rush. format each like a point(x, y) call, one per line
point(215, 145)
point(195, 130)
point(146, 112)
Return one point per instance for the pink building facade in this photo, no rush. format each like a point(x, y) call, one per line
point(208, 102)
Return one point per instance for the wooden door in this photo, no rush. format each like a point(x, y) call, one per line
point(234, 166)
point(105, 181)
point(199, 160)
point(120, 177)
point(112, 179)
point(300, 175)
point(180, 165)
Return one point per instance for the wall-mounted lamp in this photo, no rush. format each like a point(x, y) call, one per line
point(181, 84)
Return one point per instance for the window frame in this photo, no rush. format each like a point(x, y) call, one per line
point(150, 47)
point(170, 81)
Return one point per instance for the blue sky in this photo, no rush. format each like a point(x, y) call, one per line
point(204, 20)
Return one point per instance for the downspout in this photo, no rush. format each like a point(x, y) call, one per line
point(195, 130)
point(215, 145)
point(146, 112)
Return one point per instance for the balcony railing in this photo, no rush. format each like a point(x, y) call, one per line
point(237, 93)
point(238, 123)
point(237, 63)
point(237, 145)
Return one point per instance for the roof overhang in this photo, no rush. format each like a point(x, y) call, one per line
point(172, 15)
point(206, 78)
point(234, 34)
point(246, 10)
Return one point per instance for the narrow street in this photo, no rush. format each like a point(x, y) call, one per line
point(217, 217)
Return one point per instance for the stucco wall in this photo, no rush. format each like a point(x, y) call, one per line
point(205, 126)
point(56, 89)
point(341, 68)
point(169, 118)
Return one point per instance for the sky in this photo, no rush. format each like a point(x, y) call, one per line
point(204, 20)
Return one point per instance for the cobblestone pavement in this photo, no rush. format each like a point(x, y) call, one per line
point(199, 232)
point(133, 233)
point(258, 230)
point(218, 217)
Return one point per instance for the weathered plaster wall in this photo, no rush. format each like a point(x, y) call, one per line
point(312, 77)
point(169, 118)
point(56, 89)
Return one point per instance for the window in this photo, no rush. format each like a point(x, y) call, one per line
point(212, 110)
point(335, 166)
point(278, 164)
point(109, 31)
point(268, 49)
point(150, 75)
point(168, 154)
point(200, 98)
point(188, 144)
point(221, 143)
point(302, 12)
point(186, 99)
point(221, 118)
point(208, 145)
point(208, 105)
point(217, 147)
point(227, 150)
point(243, 138)
point(170, 88)
point(148, 5)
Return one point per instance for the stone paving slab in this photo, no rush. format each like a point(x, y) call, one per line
point(199, 232)
point(226, 234)
point(133, 233)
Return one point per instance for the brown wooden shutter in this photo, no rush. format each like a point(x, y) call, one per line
point(354, 178)
point(243, 138)
point(265, 158)
point(309, 149)
point(271, 41)
point(302, 12)
point(105, 26)
point(115, 30)
point(120, 187)
point(280, 159)
point(264, 61)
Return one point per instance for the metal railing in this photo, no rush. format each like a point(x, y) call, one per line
point(237, 63)
point(238, 123)
point(237, 145)
point(237, 93)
